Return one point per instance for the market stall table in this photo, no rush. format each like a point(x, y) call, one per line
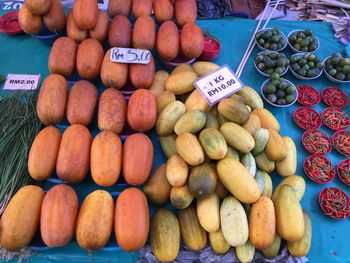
point(23, 54)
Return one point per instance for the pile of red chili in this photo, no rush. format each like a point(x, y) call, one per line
point(341, 142)
point(334, 97)
point(319, 169)
point(344, 171)
point(334, 203)
point(307, 118)
point(335, 119)
point(316, 142)
point(308, 95)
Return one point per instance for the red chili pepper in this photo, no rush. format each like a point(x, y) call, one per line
point(341, 142)
point(319, 169)
point(307, 95)
point(307, 118)
point(344, 171)
point(334, 97)
point(335, 203)
point(335, 119)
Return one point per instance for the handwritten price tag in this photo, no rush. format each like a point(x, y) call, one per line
point(21, 82)
point(219, 84)
point(130, 55)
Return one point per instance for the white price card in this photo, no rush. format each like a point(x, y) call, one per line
point(22, 82)
point(218, 84)
point(130, 55)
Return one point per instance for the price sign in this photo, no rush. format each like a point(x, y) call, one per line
point(21, 82)
point(218, 84)
point(130, 55)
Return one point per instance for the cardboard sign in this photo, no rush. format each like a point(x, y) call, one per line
point(22, 82)
point(218, 84)
point(130, 55)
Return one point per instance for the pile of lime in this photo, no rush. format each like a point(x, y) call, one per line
point(279, 91)
point(306, 65)
point(271, 62)
point(270, 39)
point(338, 67)
point(303, 40)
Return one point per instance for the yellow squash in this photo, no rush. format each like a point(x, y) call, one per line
point(237, 137)
point(288, 165)
point(302, 247)
point(234, 223)
point(238, 181)
point(289, 215)
point(208, 212)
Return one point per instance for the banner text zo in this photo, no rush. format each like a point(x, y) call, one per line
point(218, 84)
point(130, 55)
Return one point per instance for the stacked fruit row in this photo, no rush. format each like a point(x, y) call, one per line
point(217, 174)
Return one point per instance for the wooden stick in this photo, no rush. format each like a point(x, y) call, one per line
point(253, 37)
point(250, 48)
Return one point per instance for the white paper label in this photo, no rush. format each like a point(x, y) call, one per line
point(22, 82)
point(130, 55)
point(218, 84)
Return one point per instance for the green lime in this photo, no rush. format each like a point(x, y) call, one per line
point(346, 69)
point(290, 99)
point(311, 57)
point(261, 42)
point(308, 32)
point(283, 85)
point(279, 70)
point(302, 62)
point(272, 98)
point(280, 94)
point(311, 64)
point(290, 90)
point(311, 73)
point(302, 72)
point(269, 71)
point(340, 76)
point(266, 46)
point(281, 62)
point(269, 89)
point(297, 46)
point(273, 46)
point(275, 76)
point(281, 101)
point(312, 47)
point(296, 67)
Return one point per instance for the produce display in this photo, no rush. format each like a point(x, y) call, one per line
point(335, 203)
point(335, 97)
point(307, 118)
point(338, 67)
point(341, 141)
point(272, 62)
point(307, 66)
point(316, 142)
point(279, 91)
point(335, 119)
point(221, 160)
point(303, 40)
point(308, 95)
point(271, 39)
point(319, 169)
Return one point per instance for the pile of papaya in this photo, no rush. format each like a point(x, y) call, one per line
point(217, 174)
